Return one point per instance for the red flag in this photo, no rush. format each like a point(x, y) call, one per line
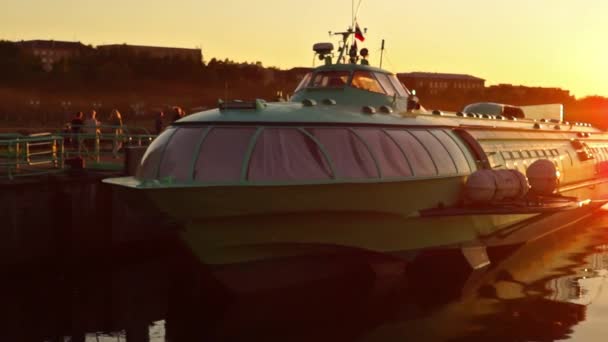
point(358, 33)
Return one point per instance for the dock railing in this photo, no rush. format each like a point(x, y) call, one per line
point(103, 145)
point(45, 153)
point(28, 155)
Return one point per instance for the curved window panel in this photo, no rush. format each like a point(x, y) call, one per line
point(416, 154)
point(365, 80)
point(283, 154)
point(303, 83)
point(350, 157)
point(388, 155)
point(179, 154)
point(386, 83)
point(222, 153)
point(148, 168)
point(455, 152)
point(440, 155)
point(329, 79)
point(401, 90)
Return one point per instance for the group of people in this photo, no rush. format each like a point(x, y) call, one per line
point(91, 125)
point(159, 122)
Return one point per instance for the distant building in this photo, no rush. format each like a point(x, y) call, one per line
point(156, 51)
point(52, 51)
point(544, 95)
point(435, 83)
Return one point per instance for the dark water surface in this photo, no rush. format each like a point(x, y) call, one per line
point(550, 289)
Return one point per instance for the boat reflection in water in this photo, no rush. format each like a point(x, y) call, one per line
point(549, 288)
point(538, 291)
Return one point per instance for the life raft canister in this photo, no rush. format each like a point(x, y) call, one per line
point(486, 186)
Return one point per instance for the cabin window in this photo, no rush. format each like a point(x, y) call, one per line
point(222, 153)
point(388, 155)
point(441, 157)
point(303, 82)
point(177, 158)
point(506, 155)
point(365, 80)
point(149, 163)
point(401, 90)
point(516, 154)
point(454, 150)
point(554, 152)
point(329, 79)
point(416, 154)
point(541, 153)
point(525, 154)
point(283, 154)
point(386, 83)
point(533, 154)
point(349, 156)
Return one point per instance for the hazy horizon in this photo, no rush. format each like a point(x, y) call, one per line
point(546, 43)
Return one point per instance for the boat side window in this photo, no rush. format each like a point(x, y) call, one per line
point(365, 80)
point(525, 154)
point(441, 157)
point(533, 153)
point(149, 162)
point(516, 154)
point(303, 83)
point(555, 152)
point(416, 154)
point(329, 79)
point(506, 155)
point(386, 83)
point(350, 157)
point(541, 153)
point(401, 89)
point(221, 155)
point(286, 154)
point(454, 150)
point(177, 158)
point(387, 154)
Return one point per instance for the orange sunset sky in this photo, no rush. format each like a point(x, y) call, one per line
point(549, 43)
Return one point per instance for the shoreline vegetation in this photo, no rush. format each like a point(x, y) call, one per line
point(140, 86)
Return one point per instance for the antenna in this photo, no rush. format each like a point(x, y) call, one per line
point(381, 52)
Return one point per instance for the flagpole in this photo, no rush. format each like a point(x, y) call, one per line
point(352, 12)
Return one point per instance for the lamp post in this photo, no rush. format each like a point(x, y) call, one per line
point(35, 104)
point(137, 108)
point(66, 104)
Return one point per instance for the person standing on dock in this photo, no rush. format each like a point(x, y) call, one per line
point(76, 127)
point(178, 113)
point(91, 125)
point(116, 122)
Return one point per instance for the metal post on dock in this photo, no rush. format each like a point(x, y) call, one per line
point(61, 153)
point(17, 153)
point(96, 156)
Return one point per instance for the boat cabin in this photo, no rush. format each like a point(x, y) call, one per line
point(353, 85)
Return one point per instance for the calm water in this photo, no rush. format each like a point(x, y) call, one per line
point(551, 289)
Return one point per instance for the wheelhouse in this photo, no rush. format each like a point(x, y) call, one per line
point(365, 78)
